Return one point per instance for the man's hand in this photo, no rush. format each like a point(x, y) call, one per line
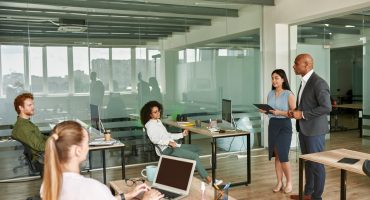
point(152, 195)
point(296, 114)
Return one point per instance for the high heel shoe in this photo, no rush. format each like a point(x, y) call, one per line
point(277, 188)
point(288, 189)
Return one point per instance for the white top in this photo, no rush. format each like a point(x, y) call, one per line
point(77, 187)
point(158, 134)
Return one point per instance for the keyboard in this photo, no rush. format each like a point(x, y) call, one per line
point(167, 194)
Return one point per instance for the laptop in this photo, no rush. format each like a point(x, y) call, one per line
point(174, 177)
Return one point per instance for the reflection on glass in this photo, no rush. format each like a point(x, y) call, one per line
point(121, 67)
point(81, 69)
point(57, 68)
point(99, 58)
point(35, 69)
point(141, 64)
point(12, 64)
point(154, 59)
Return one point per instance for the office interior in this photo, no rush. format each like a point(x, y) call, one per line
point(197, 52)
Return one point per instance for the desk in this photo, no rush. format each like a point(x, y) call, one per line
point(119, 187)
point(355, 106)
point(204, 131)
point(103, 148)
point(330, 158)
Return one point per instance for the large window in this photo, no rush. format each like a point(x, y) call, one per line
point(121, 67)
point(99, 59)
point(12, 64)
point(81, 69)
point(36, 69)
point(57, 69)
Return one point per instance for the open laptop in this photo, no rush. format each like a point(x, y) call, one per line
point(174, 176)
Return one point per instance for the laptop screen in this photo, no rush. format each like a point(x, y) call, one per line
point(174, 173)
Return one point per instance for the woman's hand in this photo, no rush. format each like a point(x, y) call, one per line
point(185, 132)
point(173, 144)
point(275, 112)
point(262, 111)
point(140, 189)
point(152, 195)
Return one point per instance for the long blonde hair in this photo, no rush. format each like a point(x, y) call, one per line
point(63, 136)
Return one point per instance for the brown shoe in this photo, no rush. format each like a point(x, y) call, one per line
point(296, 197)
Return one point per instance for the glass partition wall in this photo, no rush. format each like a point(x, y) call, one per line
point(55, 63)
point(339, 47)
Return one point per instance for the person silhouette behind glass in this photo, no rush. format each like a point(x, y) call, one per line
point(143, 91)
point(155, 92)
point(96, 90)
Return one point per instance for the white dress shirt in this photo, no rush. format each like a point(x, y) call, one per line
point(158, 134)
point(304, 80)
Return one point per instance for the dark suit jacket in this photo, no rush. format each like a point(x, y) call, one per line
point(316, 105)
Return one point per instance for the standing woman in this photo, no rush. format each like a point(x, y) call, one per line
point(65, 150)
point(280, 128)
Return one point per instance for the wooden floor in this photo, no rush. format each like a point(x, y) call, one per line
point(231, 169)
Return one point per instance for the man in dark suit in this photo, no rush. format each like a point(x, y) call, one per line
point(313, 106)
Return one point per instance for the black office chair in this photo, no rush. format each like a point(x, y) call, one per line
point(35, 167)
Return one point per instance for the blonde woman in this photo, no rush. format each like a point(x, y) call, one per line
point(65, 150)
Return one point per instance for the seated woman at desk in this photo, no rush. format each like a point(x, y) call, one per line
point(65, 150)
point(150, 116)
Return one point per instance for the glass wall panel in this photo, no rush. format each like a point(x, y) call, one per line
point(99, 63)
point(81, 69)
point(121, 67)
point(36, 69)
point(12, 63)
point(57, 69)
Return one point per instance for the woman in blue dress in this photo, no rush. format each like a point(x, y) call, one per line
point(280, 128)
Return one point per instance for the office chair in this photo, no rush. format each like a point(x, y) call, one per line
point(34, 166)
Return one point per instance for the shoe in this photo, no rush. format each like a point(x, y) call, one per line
point(296, 197)
point(288, 190)
point(277, 189)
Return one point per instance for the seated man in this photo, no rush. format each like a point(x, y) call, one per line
point(24, 130)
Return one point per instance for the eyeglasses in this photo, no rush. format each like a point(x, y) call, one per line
point(156, 111)
point(134, 181)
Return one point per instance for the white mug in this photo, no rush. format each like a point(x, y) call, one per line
point(150, 172)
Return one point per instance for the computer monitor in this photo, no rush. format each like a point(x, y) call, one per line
point(226, 110)
point(95, 117)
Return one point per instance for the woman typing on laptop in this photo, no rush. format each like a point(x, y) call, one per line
point(150, 116)
point(65, 150)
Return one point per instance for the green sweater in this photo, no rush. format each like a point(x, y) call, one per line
point(27, 132)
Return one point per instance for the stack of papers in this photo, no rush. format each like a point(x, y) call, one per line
point(101, 142)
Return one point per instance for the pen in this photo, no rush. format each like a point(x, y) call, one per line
point(216, 186)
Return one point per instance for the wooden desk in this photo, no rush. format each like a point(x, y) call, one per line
point(204, 131)
point(330, 158)
point(119, 187)
point(102, 149)
point(354, 106)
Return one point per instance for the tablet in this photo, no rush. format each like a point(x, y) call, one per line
point(264, 107)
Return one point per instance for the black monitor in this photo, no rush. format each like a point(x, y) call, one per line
point(226, 110)
point(94, 115)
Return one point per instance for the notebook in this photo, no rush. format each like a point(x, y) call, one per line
point(174, 177)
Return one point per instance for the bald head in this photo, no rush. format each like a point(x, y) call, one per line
point(303, 63)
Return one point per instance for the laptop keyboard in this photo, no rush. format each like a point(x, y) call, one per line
point(167, 194)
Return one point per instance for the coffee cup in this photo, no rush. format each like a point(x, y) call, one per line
point(107, 135)
point(149, 172)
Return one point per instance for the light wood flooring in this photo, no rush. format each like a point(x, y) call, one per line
point(231, 169)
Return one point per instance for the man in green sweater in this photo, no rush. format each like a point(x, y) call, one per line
point(26, 131)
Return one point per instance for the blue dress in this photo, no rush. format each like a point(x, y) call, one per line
point(280, 127)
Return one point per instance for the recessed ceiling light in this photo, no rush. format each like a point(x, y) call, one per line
point(349, 26)
point(330, 33)
point(326, 24)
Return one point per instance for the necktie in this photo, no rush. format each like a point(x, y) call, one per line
point(299, 90)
